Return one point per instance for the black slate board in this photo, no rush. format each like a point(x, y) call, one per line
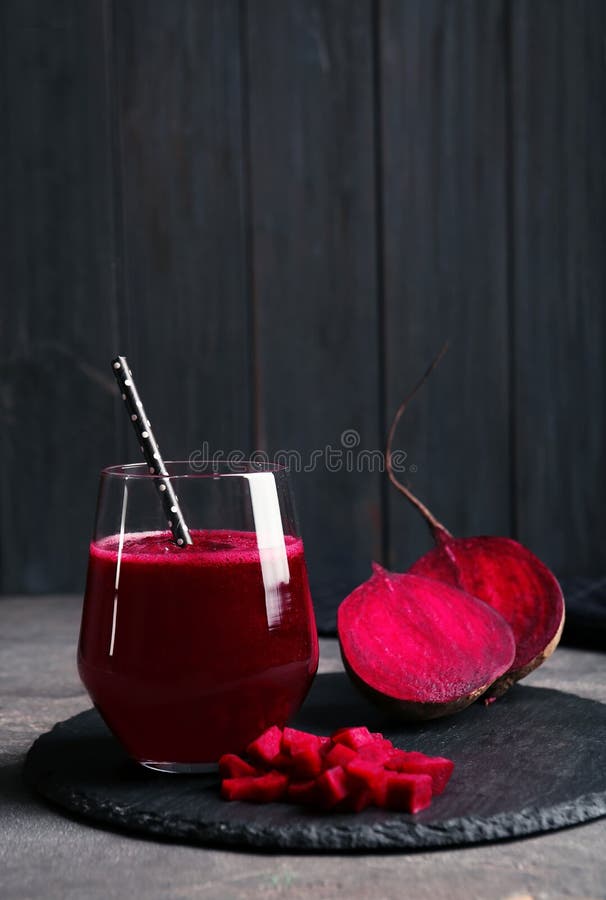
point(533, 761)
point(585, 624)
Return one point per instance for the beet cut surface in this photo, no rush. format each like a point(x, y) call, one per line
point(419, 646)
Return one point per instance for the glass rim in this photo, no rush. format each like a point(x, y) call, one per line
point(210, 469)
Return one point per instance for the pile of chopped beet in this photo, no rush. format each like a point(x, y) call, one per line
point(420, 641)
point(352, 769)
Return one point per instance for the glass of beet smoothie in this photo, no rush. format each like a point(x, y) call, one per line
point(190, 652)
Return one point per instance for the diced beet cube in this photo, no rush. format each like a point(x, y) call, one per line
point(233, 766)
point(407, 793)
point(264, 789)
point(267, 746)
point(353, 737)
point(282, 762)
point(378, 751)
point(236, 788)
point(377, 736)
point(366, 775)
point(397, 760)
point(293, 735)
point(325, 743)
point(356, 800)
point(363, 770)
point(339, 755)
point(332, 787)
point(304, 793)
point(306, 762)
point(336, 733)
point(304, 741)
point(438, 767)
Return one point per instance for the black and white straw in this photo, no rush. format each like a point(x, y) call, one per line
point(151, 451)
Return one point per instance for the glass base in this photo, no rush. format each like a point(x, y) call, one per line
point(180, 768)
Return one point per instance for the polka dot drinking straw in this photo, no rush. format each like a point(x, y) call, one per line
point(151, 451)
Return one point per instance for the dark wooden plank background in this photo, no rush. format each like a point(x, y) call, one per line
point(558, 134)
point(314, 259)
point(443, 94)
point(60, 312)
point(179, 132)
point(279, 209)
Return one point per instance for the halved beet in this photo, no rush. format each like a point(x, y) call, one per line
point(498, 570)
point(420, 647)
point(512, 580)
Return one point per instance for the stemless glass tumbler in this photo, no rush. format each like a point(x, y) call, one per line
point(191, 652)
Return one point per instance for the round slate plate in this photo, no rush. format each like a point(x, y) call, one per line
point(533, 761)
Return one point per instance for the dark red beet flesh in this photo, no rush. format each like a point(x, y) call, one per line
point(265, 788)
point(511, 580)
point(437, 767)
point(419, 646)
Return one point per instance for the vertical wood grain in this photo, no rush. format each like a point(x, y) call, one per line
point(179, 96)
point(445, 262)
point(279, 210)
point(558, 122)
point(59, 320)
point(314, 261)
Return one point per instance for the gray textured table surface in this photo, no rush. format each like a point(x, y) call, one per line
point(45, 855)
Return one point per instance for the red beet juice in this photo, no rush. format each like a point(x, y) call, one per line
point(192, 652)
